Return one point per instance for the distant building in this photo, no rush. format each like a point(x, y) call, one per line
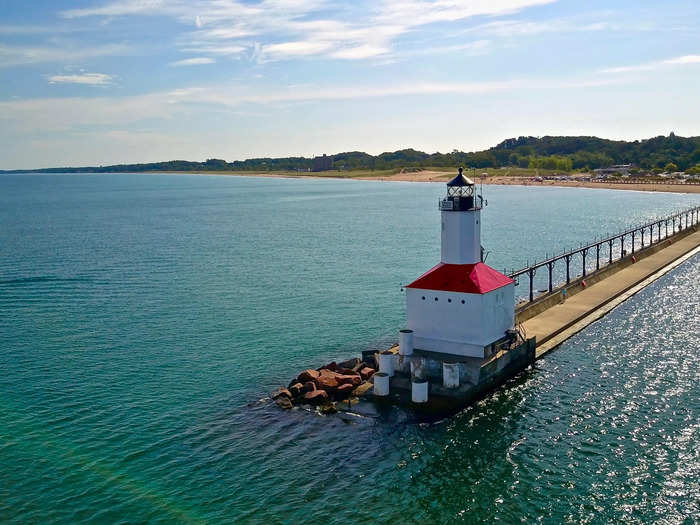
point(618, 169)
point(323, 163)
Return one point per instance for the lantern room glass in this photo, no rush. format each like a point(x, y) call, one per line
point(460, 191)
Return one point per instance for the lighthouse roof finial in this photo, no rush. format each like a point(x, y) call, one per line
point(461, 180)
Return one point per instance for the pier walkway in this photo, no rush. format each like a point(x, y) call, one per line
point(559, 322)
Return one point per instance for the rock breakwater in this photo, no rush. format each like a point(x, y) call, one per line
point(324, 387)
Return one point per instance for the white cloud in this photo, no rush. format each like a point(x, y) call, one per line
point(196, 61)
point(515, 28)
point(577, 24)
point(361, 51)
point(71, 113)
point(123, 7)
point(287, 29)
point(477, 47)
point(222, 33)
point(216, 50)
point(292, 49)
point(654, 66)
point(420, 12)
point(22, 55)
point(687, 59)
point(91, 79)
point(63, 114)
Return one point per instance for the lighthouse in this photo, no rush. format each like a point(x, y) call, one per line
point(461, 306)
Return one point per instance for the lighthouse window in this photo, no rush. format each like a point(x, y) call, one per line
point(423, 297)
point(449, 300)
point(462, 301)
point(436, 298)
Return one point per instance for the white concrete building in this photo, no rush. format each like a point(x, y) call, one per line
point(461, 306)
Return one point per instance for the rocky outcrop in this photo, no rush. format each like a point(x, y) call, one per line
point(353, 379)
point(327, 380)
point(281, 392)
point(362, 389)
point(344, 391)
point(350, 363)
point(284, 402)
point(316, 397)
point(296, 389)
point(308, 375)
point(332, 382)
point(333, 366)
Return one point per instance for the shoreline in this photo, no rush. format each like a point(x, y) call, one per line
point(443, 177)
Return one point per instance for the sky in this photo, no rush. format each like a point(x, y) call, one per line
point(98, 82)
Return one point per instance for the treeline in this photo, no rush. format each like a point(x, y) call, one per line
point(555, 153)
point(593, 152)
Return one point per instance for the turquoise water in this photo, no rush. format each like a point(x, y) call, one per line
point(143, 319)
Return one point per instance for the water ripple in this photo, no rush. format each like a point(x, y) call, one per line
point(134, 348)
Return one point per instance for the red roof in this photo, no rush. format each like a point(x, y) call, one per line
point(464, 278)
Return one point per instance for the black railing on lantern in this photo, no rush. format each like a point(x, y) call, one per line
point(609, 247)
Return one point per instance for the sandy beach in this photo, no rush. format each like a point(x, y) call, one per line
point(443, 176)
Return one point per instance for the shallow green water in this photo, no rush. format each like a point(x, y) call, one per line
point(143, 317)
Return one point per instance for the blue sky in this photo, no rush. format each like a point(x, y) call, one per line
point(93, 82)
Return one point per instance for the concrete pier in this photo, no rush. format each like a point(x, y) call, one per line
point(553, 325)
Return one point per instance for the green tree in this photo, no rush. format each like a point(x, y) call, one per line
point(670, 167)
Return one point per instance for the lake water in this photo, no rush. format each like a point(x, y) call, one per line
point(144, 318)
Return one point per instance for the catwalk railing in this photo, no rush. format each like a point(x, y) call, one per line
point(612, 248)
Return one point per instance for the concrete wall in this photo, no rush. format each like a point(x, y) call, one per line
point(476, 377)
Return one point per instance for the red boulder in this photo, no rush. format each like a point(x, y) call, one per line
point(281, 392)
point(296, 389)
point(309, 386)
point(316, 397)
point(307, 375)
point(344, 391)
point(349, 379)
point(327, 380)
point(366, 373)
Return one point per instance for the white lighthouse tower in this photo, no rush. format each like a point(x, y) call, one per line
point(461, 306)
